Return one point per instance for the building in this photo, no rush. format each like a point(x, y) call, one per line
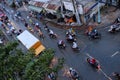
point(111, 2)
point(86, 8)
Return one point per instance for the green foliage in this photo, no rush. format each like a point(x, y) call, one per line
point(39, 67)
point(59, 66)
point(1, 33)
point(17, 65)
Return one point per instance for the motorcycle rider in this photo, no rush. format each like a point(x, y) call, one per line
point(51, 32)
point(71, 32)
point(74, 46)
point(117, 20)
point(46, 27)
point(92, 61)
point(60, 43)
point(112, 28)
point(116, 75)
point(70, 37)
point(73, 73)
point(95, 32)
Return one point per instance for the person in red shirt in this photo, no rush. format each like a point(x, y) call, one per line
point(92, 61)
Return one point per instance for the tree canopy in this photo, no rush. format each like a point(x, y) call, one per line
point(17, 65)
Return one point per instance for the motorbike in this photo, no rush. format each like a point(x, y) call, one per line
point(73, 74)
point(117, 20)
point(95, 65)
point(114, 28)
point(54, 36)
point(116, 75)
point(76, 49)
point(72, 34)
point(70, 40)
point(62, 46)
point(94, 36)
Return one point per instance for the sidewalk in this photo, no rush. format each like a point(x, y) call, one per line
point(108, 16)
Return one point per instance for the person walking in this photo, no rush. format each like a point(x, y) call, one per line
point(40, 34)
point(94, 18)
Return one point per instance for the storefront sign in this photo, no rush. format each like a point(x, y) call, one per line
point(93, 6)
point(80, 9)
point(68, 6)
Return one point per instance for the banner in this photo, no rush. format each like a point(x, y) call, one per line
point(68, 6)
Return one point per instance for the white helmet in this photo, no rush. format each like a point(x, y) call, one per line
point(71, 68)
point(37, 24)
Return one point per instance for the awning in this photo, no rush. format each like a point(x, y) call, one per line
point(51, 7)
point(37, 9)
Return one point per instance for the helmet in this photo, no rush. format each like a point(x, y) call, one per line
point(93, 60)
point(71, 69)
point(37, 24)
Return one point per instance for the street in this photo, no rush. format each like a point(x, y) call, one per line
point(106, 50)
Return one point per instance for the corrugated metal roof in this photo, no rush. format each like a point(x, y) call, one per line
point(52, 6)
point(39, 4)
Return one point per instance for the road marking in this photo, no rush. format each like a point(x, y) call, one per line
point(105, 74)
point(100, 69)
point(106, 27)
point(92, 57)
point(89, 55)
point(115, 53)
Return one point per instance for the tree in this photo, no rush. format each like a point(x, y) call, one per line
point(15, 64)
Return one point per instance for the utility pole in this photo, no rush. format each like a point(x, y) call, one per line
point(76, 11)
point(99, 16)
point(61, 6)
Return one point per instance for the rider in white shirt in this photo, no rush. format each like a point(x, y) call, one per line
point(70, 37)
point(60, 43)
point(51, 32)
point(74, 45)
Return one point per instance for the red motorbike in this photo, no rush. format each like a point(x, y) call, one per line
point(95, 65)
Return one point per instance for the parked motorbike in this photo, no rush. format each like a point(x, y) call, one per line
point(74, 74)
point(117, 20)
point(114, 28)
point(95, 64)
point(116, 75)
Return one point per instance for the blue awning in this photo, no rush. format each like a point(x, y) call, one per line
point(36, 9)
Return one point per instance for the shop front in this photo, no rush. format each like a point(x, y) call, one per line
point(34, 8)
point(90, 9)
point(111, 2)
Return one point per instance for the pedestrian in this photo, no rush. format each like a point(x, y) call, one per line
point(40, 34)
point(11, 14)
point(46, 27)
point(94, 18)
point(26, 24)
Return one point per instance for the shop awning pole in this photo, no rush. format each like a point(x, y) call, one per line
point(76, 11)
point(99, 17)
